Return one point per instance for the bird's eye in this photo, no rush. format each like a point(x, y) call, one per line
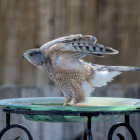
point(31, 54)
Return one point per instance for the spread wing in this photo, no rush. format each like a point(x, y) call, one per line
point(81, 44)
point(59, 40)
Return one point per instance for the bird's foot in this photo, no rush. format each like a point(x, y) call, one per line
point(67, 104)
point(81, 104)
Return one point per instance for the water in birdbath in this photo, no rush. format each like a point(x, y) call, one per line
point(94, 104)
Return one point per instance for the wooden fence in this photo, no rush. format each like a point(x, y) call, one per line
point(26, 24)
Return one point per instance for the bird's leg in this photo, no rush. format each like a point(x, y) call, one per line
point(79, 99)
point(67, 101)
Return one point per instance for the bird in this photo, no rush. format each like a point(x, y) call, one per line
point(61, 59)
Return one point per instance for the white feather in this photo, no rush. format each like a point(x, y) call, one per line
point(88, 88)
point(103, 77)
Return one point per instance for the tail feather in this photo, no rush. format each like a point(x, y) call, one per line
point(121, 68)
point(97, 67)
point(105, 74)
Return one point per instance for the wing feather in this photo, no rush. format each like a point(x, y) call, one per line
point(84, 44)
point(59, 40)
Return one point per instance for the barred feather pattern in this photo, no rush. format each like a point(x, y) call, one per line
point(87, 44)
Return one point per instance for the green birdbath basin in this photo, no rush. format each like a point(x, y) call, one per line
point(51, 109)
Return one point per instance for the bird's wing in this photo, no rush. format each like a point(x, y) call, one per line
point(84, 44)
point(59, 40)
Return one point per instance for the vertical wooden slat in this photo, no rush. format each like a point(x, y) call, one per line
point(28, 24)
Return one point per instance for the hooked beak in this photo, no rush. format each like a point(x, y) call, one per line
point(23, 56)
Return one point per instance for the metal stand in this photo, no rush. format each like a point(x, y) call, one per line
point(127, 125)
point(88, 132)
point(9, 126)
point(89, 115)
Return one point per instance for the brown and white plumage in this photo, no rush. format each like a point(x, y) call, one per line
point(61, 60)
point(83, 45)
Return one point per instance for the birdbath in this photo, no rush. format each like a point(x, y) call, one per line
point(51, 109)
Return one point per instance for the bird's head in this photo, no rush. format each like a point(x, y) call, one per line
point(35, 57)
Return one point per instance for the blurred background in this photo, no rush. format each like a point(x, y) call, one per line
point(26, 24)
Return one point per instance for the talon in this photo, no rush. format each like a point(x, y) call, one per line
point(81, 104)
point(67, 104)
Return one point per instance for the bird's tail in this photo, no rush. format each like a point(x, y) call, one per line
point(105, 74)
point(120, 68)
